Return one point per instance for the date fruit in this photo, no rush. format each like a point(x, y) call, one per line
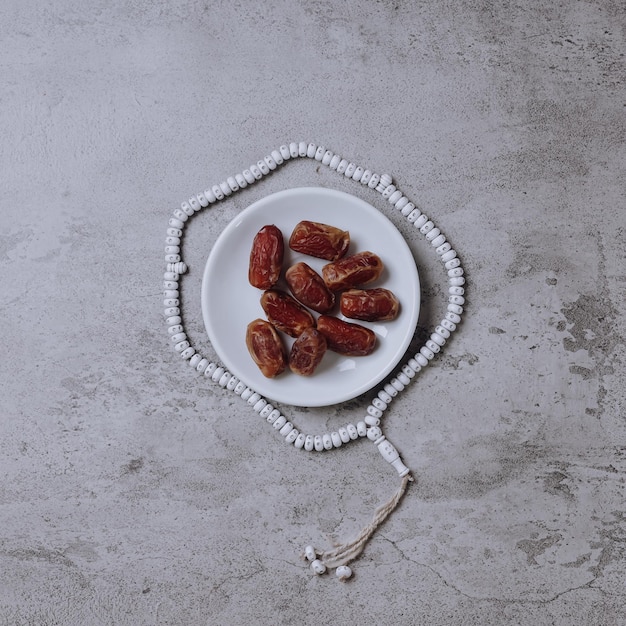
point(359, 269)
point(266, 257)
point(309, 288)
point(369, 305)
point(307, 352)
point(346, 337)
point(286, 313)
point(319, 240)
point(266, 348)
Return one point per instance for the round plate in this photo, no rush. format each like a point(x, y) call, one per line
point(230, 303)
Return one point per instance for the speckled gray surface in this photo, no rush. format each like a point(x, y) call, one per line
point(135, 493)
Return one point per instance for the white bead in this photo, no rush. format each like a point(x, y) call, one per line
point(389, 191)
point(429, 354)
point(402, 203)
point(327, 441)
point(273, 416)
point(292, 435)
point(175, 319)
point(286, 429)
point(284, 152)
point(280, 422)
point(181, 336)
point(266, 410)
point(358, 173)
point(240, 387)
point(443, 248)
point(456, 272)
point(172, 241)
point(396, 384)
point(421, 359)
point(350, 170)
point(224, 378)
point(172, 258)
point(202, 365)
point(413, 216)
point(170, 285)
point(336, 439)
point(232, 183)
point(373, 181)
point(310, 150)
point(309, 553)
point(277, 156)
point(414, 365)
point(460, 300)
point(217, 190)
point(210, 196)
point(432, 234)
point(443, 331)
point(334, 162)
point(249, 176)
point(384, 396)
point(395, 196)
point(343, 572)
point(225, 187)
point(169, 302)
point(452, 263)
point(180, 346)
point(172, 249)
point(408, 371)
point(299, 442)
point(256, 172)
point(175, 223)
point(367, 175)
point(174, 232)
point(170, 276)
point(455, 308)
point(245, 394)
point(194, 204)
point(379, 404)
point(318, 567)
point(217, 374)
point(374, 433)
point(403, 378)
point(457, 281)
point(202, 199)
point(262, 165)
point(361, 429)
point(386, 180)
point(318, 443)
point(391, 390)
point(172, 310)
point(432, 346)
point(309, 443)
point(456, 291)
point(438, 240)
point(439, 339)
point(269, 161)
point(328, 155)
point(343, 434)
point(302, 149)
point(319, 153)
point(373, 411)
point(174, 330)
point(188, 353)
point(351, 428)
point(371, 421)
point(448, 256)
point(427, 227)
point(293, 149)
point(252, 400)
point(259, 405)
point(343, 164)
point(420, 221)
point(179, 267)
point(241, 181)
point(181, 215)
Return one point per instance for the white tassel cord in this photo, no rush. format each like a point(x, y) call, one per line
point(344, 554)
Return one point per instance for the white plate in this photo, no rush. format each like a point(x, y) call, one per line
point(230, 303)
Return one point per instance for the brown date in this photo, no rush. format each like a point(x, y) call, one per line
point(307, 352)
point(319, 240)
point(361, 268)
point(345, 337)
point(266, 348)
point(309, 288)
point(369, 305)
point(286, 313)
point(266, 257)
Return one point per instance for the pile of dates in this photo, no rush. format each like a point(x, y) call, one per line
point(341, 281)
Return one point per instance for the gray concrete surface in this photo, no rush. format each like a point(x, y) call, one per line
point(135, 493)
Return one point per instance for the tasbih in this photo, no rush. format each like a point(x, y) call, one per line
point(369, 427)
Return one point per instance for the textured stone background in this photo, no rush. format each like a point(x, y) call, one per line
point(135, 493)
